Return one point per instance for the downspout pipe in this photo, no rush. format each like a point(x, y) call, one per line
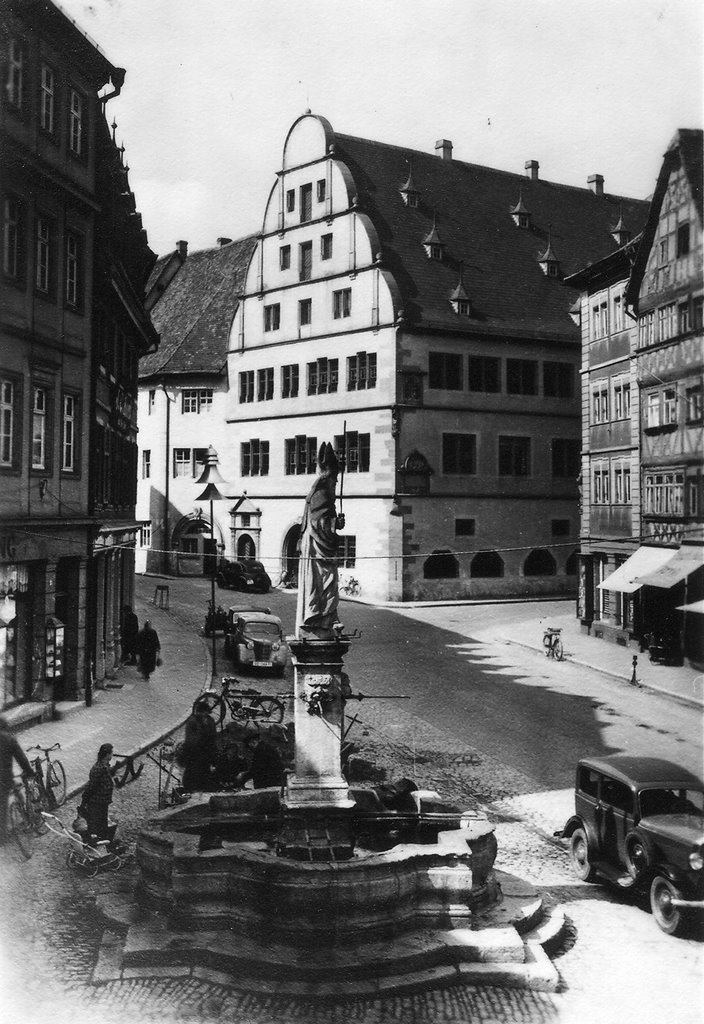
point(117, 78)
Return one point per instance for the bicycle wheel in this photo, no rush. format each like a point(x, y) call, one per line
point(268, 709)
point(56, 778)
point(558, 650)
point(215, 705)
point(19, 827)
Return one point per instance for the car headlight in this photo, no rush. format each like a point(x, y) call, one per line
point(249, 644)
point(696, 860)
point(275, 646)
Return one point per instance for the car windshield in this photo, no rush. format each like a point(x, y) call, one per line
point(261, 630)
point(671, 801)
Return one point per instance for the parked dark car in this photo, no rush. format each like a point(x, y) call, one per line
point(245, 574)
point(639, 824)
point(255, 639)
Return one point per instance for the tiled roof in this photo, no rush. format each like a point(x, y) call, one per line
point(195, 312)
point(509, 292)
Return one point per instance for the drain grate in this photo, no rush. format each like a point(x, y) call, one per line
point(318, 841)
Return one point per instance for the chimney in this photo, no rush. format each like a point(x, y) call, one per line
point(182, 249)
point(596, 184)
point(223, 241)
point(445, 148)
point(532, 167)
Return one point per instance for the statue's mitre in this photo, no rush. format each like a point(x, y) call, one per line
point(327, 460)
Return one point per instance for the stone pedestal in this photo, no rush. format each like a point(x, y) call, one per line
point(318, 783)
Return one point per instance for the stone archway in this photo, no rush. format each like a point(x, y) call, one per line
point(246, 547)
point(289, 551)
point(193, 544)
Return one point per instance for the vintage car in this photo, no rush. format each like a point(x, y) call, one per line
point(639, 824)
point(246, 574)
point(255, 639)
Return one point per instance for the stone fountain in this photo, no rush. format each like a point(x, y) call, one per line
point(319, 890)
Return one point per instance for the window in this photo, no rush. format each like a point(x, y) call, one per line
point(43, 274)
point(300, 455)
point(683, 318)
point(305, 312)
point(265, 384)
point(46, 105)
point(69, 423)
point(441, 565)
point(600, 402)
point(565, 452)
point(305, 261)
point(412, 385)
point(322, 377)
point(13, 239)
point(464, 307)
point(484, 374)
point(246, 386)
point(341, 303)
point(683, 240)
point(196, 400)
point(695, 404)
point(326, 247)
point(254, 458)
point(182, 462)
point(8, 413)
point(15, 75)
point(669, 406)
point(445, 371)
point(693, 491)
point(486, 565)
point(361, 371)
point(39, 428)
point(272, 317)
point(667, 321)
point(74, 270)
point(357, 450)
point(145, 534)
point(646, 329)
point(289, 381)
point(622, 399)
point(663, 250)
point(664, 493)
point(600, 320)
point(76, 123)
point(617, 313)
point(346, 551)
point(306, 202)
point(652, 409)
point(617, 794)
point(539, 563)
point(560, 527)
point(284, 257)
point(558, 380)
point(146, 464)
point(290, 200)
point(622, 483)
point(320, 190)
point(514, 456)
point(521, 377)
point(600, 488)
point(459, 453)
point(151, 401)
point(464, 527)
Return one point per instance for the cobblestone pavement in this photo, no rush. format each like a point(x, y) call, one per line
point(615, 965)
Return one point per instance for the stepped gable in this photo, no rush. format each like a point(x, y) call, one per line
point(194, 314)
point(510, 293)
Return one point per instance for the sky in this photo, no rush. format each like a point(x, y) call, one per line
point(213, 86)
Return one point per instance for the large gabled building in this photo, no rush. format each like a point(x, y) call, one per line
point(415, 305)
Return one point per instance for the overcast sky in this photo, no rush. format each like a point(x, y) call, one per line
point(213, 86)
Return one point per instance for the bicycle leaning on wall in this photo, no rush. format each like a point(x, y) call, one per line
point(50, 781)
point(553, 643)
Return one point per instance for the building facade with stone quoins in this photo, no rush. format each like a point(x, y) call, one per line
point(642, 559)
point(415, 305)
point(72, 327)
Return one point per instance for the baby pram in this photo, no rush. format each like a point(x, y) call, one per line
point(82, 856)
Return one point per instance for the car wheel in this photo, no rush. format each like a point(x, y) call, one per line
point(667, 917)
point(638, 855)
point(579, 854)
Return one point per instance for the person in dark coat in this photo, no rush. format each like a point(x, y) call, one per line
point(97, 796)
point(10, 751)
point(130, 631)
point(266, 767)
point(199, 754)
point(148, 648)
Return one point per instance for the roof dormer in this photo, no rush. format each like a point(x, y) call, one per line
point(549, 263)
point(460, 300)
point(432, 243)
point(409, 192)
point(520, 213)
point(621, 233)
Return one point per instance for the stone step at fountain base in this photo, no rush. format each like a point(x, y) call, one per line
point(507, 946)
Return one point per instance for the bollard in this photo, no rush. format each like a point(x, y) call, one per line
point(634, 679)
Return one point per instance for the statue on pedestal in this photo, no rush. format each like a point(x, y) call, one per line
point(318, 584)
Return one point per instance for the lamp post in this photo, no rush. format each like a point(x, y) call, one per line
point(211, 478)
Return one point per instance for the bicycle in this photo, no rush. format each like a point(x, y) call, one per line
point(24, 814)
point(245, 705)
point(553, 643)
point(286, 581)
point(52, 782)
point(351, 587)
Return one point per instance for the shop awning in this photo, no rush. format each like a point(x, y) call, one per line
point(628, 577)
point(696, 606)
point(684, 562)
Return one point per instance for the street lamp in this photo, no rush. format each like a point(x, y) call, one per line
point(211, 478)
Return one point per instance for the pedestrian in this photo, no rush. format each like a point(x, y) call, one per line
point(148, 649)
point(266, 766)
point(10, 751)
point(97, 796)
point(199, 750)
point(130, 631)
